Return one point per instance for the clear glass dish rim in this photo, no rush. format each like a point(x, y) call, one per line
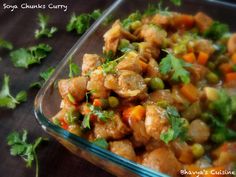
point(76, 140)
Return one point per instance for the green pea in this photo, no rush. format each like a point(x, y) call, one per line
point(198, 150)
point(113, 101)
point(212, 78)
point(156, 83)
point(185, 123)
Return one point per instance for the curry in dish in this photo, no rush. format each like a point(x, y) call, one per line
point(162, 94)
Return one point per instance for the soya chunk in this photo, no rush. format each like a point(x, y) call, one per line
point(123, 148)
point(96, 84)
point(152, 34)
point(90, 62)
point(140, 135)
point(204, 45)
point(231, 45)
point(128, 84)
point(75, 86)
point(152, 69)
point(163, 160)
point(203, 21)
point(156, 121)
point(131, 62)
point(112, 129)
point(198, 131)
point(113, 35)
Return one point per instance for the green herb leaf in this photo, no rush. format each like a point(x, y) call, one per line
point(6, 99)
point(171, 64)
point(44, 31)
point(20, 146)
point(24, 57)
point(82, 22)
point(86, 121)
point(125, 46)
point(96, 14)
point(216, 30)
point(176, 2)
point(136, 16)
point(101, 142)
point(156, 9)
point(177, 129)
point(74, 69)
point(5, 44)
point(45, 75)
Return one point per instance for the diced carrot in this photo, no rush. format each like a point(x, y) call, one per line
point(97, 102)
point(183, 20)
point(225, 68)
point(143, 65)
point(190, 92)
point(230, 77)
point(135, 113)
point(63, 124)
point(233, 58)
point(202, 58)
point(189, 57)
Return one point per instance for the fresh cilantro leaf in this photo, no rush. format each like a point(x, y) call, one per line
point(176, 2)
point(216, 30)
point(97, 111)
point(45, 75)
point(82, 22)
point(223, 106)
point(136, 16)
point(6, 99)
point(125, 46)
point(109, 67)
point(96, 14)
point(175, 66)
point(74, 69)
point(101, 142)
point(44, 30)
point(156, 9)
point(5, 44)
point(177, 129)
point(27, 151)
point(24, 57)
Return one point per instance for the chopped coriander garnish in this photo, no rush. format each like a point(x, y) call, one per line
point(176, 2)
point(5, 44)
point(27, 151)
point(175, 66)
point(136, 16)
point(6, 99)
point(216, 30)
point(24, 57)
point(177, 129)
point(101, 142)
point(82, 22)
point(97, 111)
point(44, 29)
point(74, 69)
point(45, 75)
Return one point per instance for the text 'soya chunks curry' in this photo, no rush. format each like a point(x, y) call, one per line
point(162, 94)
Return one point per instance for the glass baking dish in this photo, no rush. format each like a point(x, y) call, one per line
point(47, 101)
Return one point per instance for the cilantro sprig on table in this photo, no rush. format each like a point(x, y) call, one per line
point(44, 30)
point(177, 129)
point(176, 67)
point(45, 75)
point(82, 22)
point(19, 146)
point(24, 57)
point(6, 99)
point(5, 44)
